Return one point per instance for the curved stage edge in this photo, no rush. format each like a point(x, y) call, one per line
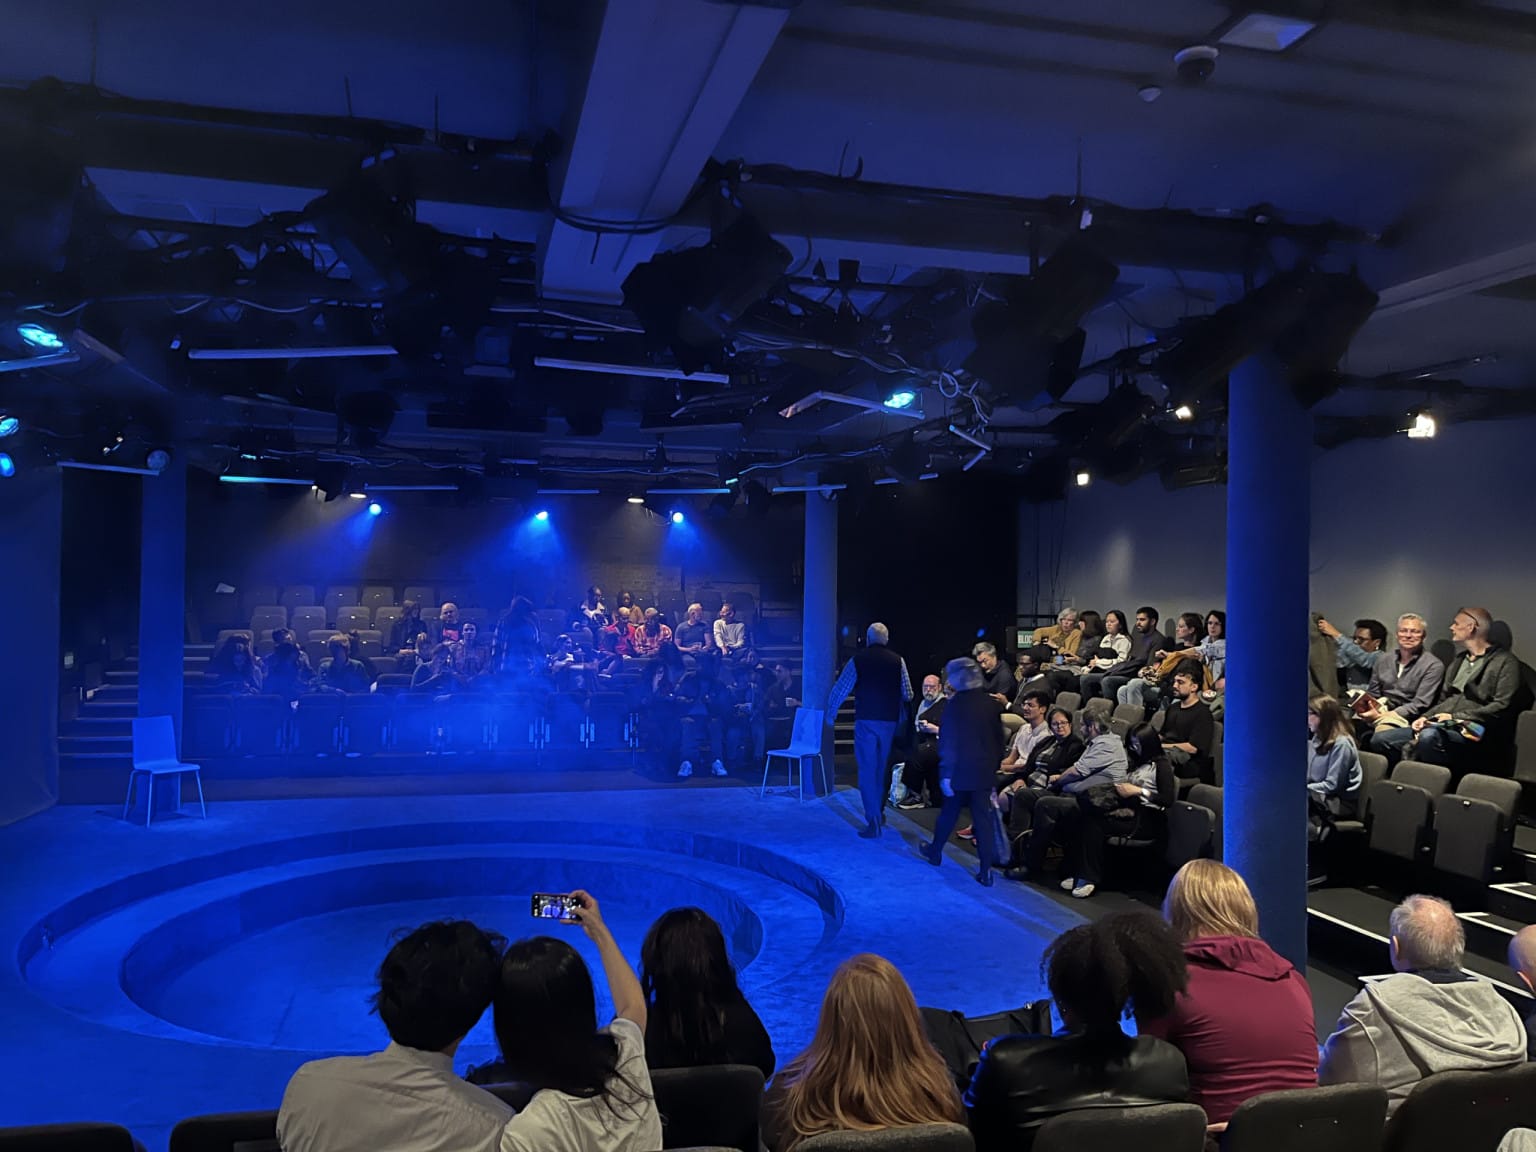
point(155, 974)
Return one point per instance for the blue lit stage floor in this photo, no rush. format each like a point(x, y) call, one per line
point(189, 968)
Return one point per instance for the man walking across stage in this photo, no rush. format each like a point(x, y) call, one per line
point(878, 679)
point(970, 743)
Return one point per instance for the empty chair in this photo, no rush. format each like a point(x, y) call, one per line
point(305, 620)
point(465, 720)
point(365, 724)
point(69, 1138)
point(267, 617)
point(317, 724)
point(384, 620)
point(1525, 747)
point(205, 726)
point(609, 722)
point(154, 758)
point(353, 618)
point(1071, 701)
point(518, 721)
point(1209, 796)
point(255, 596)
point(247, 1131)
point(566, 718)
point(260, 725)
point(1157, 720)
point(319, 636)
point(1129, 714)
point(338, 596)
point(1165, 1127)
point(421, 593)
point(480, 617)
point(804, 744)
point(376, 596)
point(1339, 1118)
point(298, 596)
point(1191, 833)
point(315, 647)
point(458, 594)
point(390, 682)
point(1464, 1111)
point(371, 642)
point(415, 722)
point(1401, 808)
point(1474, 828)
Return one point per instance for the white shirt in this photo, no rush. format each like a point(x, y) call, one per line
point(1026, 738)
point(617, 1121)
point(729, 637)
point(401, 1099)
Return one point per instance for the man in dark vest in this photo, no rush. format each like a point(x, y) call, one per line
point(970, 746)
point(878, 679)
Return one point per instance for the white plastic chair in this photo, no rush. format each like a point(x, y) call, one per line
point(804, 743)
point(154, 755)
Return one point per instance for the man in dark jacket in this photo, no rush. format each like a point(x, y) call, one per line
point(878, 679)
point(970, 749)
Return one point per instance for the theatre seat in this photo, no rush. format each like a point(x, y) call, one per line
point(1209, 796)
point(384, 620)
point(1402, 809)
point(353, 618)
point(1474, 829)
point(317, 725)
point(303, 621)
point(421, 593)
point(298, 596)
point(68, 1138)
point(260, 725)
point(338, 596)
point(415, 722)
point(376, 596)
point(365, 724)
point(205, 726)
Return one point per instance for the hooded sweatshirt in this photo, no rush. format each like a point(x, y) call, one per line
point(1411, 1025)
point(1244, 1024)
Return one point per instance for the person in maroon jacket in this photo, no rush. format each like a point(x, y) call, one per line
point(1245, 1023)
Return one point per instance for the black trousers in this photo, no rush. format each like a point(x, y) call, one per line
point(978, 801)
point(922, 770)
point(1057, 819)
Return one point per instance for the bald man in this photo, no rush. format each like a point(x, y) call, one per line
point(1522, 958)
point(1428, 1017)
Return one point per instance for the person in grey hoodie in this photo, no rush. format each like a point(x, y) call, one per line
point(1428, 1017)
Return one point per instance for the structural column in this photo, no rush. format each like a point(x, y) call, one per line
point(1269, 445)
point(163, 593)
point(818, 617)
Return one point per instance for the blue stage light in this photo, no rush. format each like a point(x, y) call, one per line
point(7, 465)
point(677, 517)
point(901, 398)
point(9, 426)
point(375, 509)
point(541, 515)
point(39, 337)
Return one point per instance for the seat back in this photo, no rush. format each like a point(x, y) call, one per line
point(1165, 1127)
point(421, 593)
point(1431, 778)
point(305, 620)
point(261, 725)
point(1467, 836)
point(1467, 1111)
point(317, 724)
point(1191, 833)
point(352, 617)
point(1209, 796)
point(715, 1106)
point(256, 595)
point(1400, 816)
point(205, 726)
point(370, 642)
point(70, 1138)
point(297, 596)
point(1525, 747)
point(154, 739)
point(1071, 701)
point(805, 738)
point(376, 596)
point(249, 1131)
point(914, 1138)
point(1100, 705)
point(1373, 767)
point(1501, 793)
point(365, 723)
point(1131, 714)
point(384, 619)
point(1338, 1118)
point(338, 596)
point(267, 617)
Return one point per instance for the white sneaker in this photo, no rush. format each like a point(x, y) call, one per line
point(1067, 885)
point(686, 770)
point(1083, 891)
point(717, 769)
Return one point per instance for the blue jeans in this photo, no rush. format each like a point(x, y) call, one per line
point(1444, 746)
point(872, 750)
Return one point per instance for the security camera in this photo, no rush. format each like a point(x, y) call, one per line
point(1196, 64)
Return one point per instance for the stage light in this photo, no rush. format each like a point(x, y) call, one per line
point(7, 465)
point(1183, 412)
point(1423, 427)
point(157, 460)
point(1084, 479)
point(37, 336)
point(634, 499)
point(9, 426)
point(375, 509)
point(901, 398)
point(677, 517)
point(358, 495)
point(541, 515)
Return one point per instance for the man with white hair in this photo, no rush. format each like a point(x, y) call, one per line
point(1405, 681)
point(878, 679)
point(1522, 958)
point(1428, 1017)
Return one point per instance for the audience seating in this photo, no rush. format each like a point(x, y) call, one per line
point(420, 593)
point(305, 620)
point(459, 595)
point(1525, 748)
point(916, 1138)
point(1339, 1118)
point(392, 682)
point(1164, 1127)
point(68, 1138)
point(260, 725)
point(317, 725)
point(319, 636)
point(1402, 807)
point(1209, 796)
point(1129, 714)
point(1101, 705)
point(716, 1106)
point(1475, 827)
point(1071, 701)
point(371, 642)
point(365, 724)
point(226, 1132)
point(480, 617)
point(267, 617)
point(298, 596)
point(353, 618)
point(1191, 834)
point(205, 726)
point(376, 596)
point(1373, 769)
point(384, 620)
point(254, 596)
point(415, 723)
point(1464, 1111)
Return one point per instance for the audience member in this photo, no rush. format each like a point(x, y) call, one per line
point(921, 772)
point(1245, 1022)
point(1522, 958)
point(1333, 765)
point(436, 673)
point(1051, 757)
point(1031, 677)
point(870, 1065)
point(696, 1013)
point(1032, 730)
point(651, 639)
point(660, 718)
point(1428, 1017)
point(1476, 713)
point(1064, 638)
point(703, 705)
point(285, 671)
point(233, 668)
point(433, 986)
point(592, 1087)
point(1405, 682)
point(1145, 689)
point(517, 645)
point(613, 644)
point(470, 658)
point(881, 687)
point(731, 636)
point(970, 749)
point(1356, 656)
point(1097, 973)
point(592, 609)
point(1144, 641)
point(693, 637)
point(1189, 731)
point(338, 672)
point(447, 627)
point(405, 631)
point(784, 688)
point(996, 675)
point(1097, 656)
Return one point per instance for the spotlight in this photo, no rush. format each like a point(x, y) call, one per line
point(541, 515)
point(1183, 412)
point(36, 336)
point(358, 495)
point(1084, 479)
point(1423, 427)
point(9, 426)
point(157, 460)
point(634, 499)
point(901, 398)
point(677, 517)
point(375, 509)
point(7, 466)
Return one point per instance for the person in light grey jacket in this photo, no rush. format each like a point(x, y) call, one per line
point(1428, 1017)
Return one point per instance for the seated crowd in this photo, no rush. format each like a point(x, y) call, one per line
point(1220, 1018)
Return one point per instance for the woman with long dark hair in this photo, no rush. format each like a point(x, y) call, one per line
point(1098, 974)
point(1333, 762)
point(697, 1013)
point(233, 667)
point(592, 1091)
point(1136, 806)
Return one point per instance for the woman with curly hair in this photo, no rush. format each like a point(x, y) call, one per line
point(869, 1066)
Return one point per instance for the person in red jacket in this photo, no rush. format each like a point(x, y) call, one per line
point(1245, 1023)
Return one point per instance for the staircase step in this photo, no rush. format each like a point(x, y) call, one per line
point(122, 676)
point(96, 761)
point(109, 709)
point(115, 693)
point(114, 726)
point(80, 745)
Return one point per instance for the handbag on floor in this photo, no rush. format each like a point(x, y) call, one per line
point(990, 825)
point(960, 1038)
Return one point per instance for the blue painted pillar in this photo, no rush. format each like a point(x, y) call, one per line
point(818, 617)
point(1269, 444)
point(163, 592)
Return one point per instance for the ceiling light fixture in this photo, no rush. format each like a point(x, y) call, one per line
point(816, 398)
point(36, 336)
point(901, 398)
point(339, 353)
point(9, 426)
point(646, 370)
point(1183, 412)
point(634, 499)
point(1084, 479)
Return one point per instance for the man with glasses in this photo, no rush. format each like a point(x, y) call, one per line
point(1405, 681)
point(1357, 653)
point(1477, 710)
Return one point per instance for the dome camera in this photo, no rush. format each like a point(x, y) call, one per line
point(1196, 64)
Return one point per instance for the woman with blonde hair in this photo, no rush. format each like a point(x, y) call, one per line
point(1245, 1022)
point(869, 1066)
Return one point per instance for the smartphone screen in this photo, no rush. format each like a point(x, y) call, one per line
point(554, 906)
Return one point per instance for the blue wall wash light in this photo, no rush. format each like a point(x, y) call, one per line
point(375, 509)
point(39, 337)
point(541, 515)
point(7, 465)
point(901, 398)
point(677, 517)
point(9, 426)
